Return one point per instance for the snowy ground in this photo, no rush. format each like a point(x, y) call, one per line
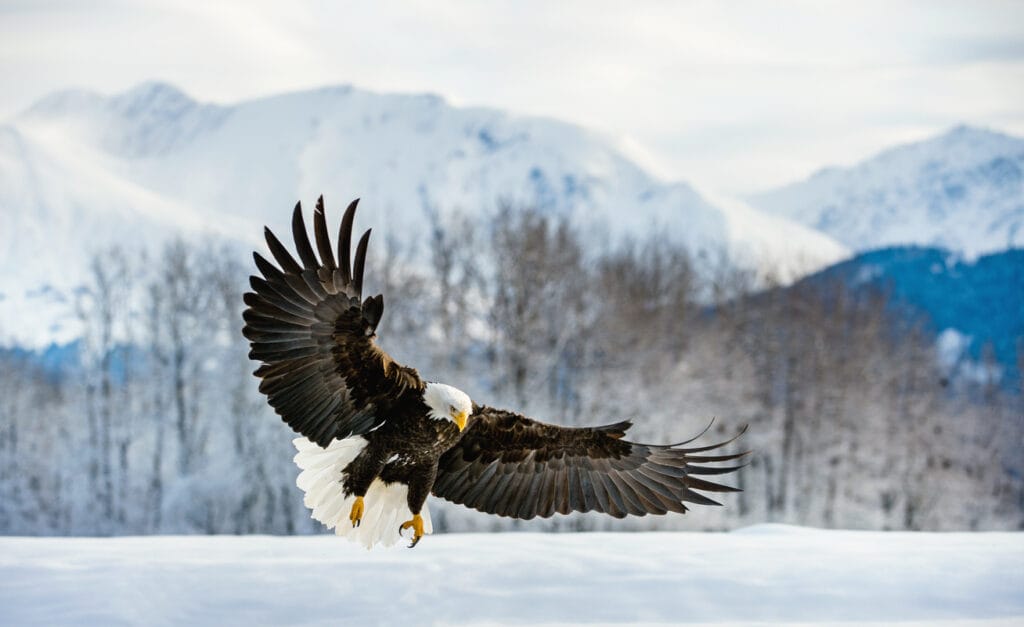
point(765, 574)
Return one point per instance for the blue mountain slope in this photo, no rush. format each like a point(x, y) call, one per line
point(54, 362)
point(982, 298)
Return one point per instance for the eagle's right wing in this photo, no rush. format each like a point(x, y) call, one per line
point(322, 371)
point(511, 465)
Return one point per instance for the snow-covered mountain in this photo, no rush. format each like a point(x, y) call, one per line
point(963, 190)
point(79, 171)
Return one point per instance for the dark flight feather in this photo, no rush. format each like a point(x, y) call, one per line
point(323, 240)
point(510, 465)
point(360, 261)
point(313, 333)
point(301, 238)
point(345, 242)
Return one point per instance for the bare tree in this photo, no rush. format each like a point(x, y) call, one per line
point(538, 316)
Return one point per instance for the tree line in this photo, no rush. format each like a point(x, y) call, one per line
point(157, 425)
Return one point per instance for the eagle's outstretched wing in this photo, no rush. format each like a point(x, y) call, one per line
point(510, 465)
point(322, 371)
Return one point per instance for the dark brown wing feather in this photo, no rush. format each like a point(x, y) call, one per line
point(510, 465)
point(322, 371)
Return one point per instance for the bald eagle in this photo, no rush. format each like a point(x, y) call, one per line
point(377, 439)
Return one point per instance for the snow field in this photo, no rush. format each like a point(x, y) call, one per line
point(767, 574)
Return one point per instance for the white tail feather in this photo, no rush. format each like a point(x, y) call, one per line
point(321, 481)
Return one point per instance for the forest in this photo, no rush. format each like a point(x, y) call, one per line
point(153, 423)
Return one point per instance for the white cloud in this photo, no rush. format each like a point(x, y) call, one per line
point(736, 96)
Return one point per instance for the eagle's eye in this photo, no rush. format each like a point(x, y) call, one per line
point(451, 408)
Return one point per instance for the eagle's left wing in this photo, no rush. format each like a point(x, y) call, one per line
point(510, 465)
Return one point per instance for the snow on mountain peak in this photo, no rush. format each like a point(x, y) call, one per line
point(147, 120)
point(154, 94)
point(151, 95)
point(963, 190)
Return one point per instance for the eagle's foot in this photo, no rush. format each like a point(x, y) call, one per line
point(356, 515)
point(417, 528)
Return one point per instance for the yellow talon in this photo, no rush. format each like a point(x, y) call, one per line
point(356, 515)
point(417, 528)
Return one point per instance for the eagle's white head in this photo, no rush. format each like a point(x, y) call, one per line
point(448, 403)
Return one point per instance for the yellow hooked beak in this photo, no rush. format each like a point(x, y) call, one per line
point(460, 419)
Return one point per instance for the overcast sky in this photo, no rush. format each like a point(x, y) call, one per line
point(732, 96)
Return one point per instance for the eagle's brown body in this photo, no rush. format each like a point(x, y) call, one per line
point(405, 452)
point(372, 427)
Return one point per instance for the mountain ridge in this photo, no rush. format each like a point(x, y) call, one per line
point(963, 190)
point(79, 171)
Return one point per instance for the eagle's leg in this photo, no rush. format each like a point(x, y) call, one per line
point(356, 515)
point(357, 477)
point(417, 528)
point(419, 488)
